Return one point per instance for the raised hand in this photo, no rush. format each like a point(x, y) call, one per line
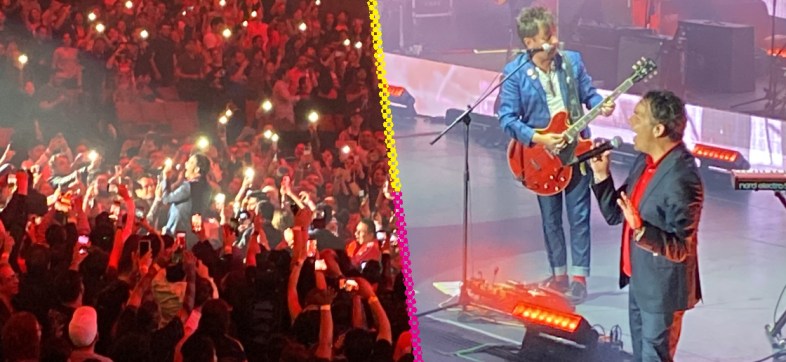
point(202, 271)
point(189, 262)
point(285, 186)
point(324, 297)
point(303, 218)
point(122, 190)
point(632, 216)
point(78, 255)
point(144, 261)
point(228, 236)
point(9, 153)
point(306, 199)
point(365, 290)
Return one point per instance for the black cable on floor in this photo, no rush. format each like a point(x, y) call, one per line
point(774, 355)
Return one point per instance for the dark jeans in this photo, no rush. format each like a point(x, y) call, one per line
point(654, 335)
point(577, 201)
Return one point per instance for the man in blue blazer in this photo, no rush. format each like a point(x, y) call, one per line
point(552, 81)
point(659, 205)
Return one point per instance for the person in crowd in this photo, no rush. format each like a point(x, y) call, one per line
point(83, 332)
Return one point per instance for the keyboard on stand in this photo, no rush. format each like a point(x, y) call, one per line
point(753, 180)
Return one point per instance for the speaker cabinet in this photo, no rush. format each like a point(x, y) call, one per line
point(632, 48)
point(433, 24)
point(395, 21)
point(598, 45)
point(719, 56)
point(428, 8)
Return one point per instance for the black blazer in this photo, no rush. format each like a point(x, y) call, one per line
point(664, 261)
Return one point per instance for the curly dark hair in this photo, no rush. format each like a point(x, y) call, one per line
point(203, 162)
point(531, 20)
point(669, 110)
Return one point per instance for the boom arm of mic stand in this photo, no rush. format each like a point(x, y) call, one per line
point(471, 108)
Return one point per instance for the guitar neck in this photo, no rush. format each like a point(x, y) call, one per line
point(572, 133)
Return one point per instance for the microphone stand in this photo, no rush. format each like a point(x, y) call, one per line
point(771, 93)
point(774, 332)
point(781, 198)
point(464, 300)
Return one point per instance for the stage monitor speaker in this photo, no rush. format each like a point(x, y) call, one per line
point(719, 56)
point(632, 48)
point(543, 344)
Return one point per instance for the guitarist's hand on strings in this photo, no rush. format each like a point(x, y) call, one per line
point(554, 142)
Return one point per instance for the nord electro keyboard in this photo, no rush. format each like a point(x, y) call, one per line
point(758, 180)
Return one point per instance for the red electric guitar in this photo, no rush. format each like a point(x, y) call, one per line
point(543, 171)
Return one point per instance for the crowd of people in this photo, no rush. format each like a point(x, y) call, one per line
point(269, 235)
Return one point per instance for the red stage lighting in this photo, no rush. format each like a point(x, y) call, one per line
point(718, 157)
point(567, 322)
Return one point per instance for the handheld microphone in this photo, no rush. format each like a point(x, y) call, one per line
point(605, 146)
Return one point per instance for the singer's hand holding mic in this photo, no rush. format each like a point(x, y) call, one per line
point(599, 159)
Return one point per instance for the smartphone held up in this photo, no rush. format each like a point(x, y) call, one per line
point(348, 285)
point(84, 244)
point(144, 247)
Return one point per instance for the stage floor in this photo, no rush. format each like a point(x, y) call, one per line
point(741, 252)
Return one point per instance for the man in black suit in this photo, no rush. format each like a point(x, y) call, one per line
point(660, 225)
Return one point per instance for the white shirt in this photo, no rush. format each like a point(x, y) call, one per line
point(551, 85)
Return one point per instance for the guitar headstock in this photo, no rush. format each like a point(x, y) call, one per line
point(643, 70)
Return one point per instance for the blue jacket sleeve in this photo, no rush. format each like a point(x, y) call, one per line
point(182, 193)
point(589, 95)
point(510, 108)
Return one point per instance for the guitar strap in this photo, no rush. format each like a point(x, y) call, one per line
point(574, 98)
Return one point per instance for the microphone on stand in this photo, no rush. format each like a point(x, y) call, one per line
point(605, 146)
point(546, 47)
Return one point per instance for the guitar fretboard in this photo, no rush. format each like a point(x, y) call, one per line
point(575, 129)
